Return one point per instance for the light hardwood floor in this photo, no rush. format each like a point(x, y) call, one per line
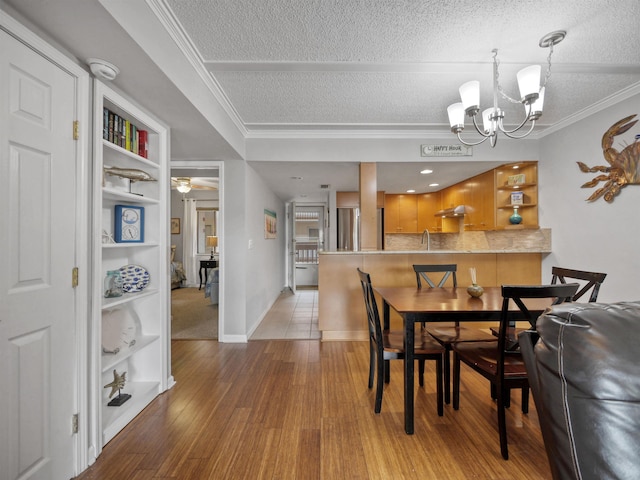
point(301, 409)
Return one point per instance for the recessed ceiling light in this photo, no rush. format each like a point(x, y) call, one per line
point(411, 190)
point(434, 184)
point(426, 171)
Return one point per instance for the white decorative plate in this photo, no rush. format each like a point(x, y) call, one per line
point(119, 329)
point(134, 278)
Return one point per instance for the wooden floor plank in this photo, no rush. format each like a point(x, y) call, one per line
point(301, 409)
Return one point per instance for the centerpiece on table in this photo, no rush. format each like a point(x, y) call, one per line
point(474, 289)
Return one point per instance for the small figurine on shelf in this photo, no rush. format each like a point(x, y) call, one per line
point(117, 385)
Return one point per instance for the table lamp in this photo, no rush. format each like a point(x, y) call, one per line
point(213, 243)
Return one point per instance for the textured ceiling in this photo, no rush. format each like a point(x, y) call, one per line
point(397, 65)
point(286, 70)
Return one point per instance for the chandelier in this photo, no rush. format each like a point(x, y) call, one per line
point(531, 96)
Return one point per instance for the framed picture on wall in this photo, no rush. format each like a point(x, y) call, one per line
point(175, 226)
point(270, 222)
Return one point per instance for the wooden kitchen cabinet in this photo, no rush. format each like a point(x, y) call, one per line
point(480, 199)
point(487, 198)
point(400, 213)
point(428, 205)
point(517, 177)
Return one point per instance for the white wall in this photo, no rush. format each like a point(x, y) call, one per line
point(252, 277)
point(596, 236)
point(265, 267)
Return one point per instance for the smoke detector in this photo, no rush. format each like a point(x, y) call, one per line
point(103, 69)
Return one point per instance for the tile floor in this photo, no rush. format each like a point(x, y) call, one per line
point(291, 317)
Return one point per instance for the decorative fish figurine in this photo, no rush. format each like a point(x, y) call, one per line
point(132, 174)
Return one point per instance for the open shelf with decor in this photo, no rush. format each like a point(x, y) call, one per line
point(517, 195)
point(130, 261)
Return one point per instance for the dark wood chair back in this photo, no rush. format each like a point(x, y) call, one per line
point(373, 316)
point(593, 279)
point(562, 292)
point(448, 270)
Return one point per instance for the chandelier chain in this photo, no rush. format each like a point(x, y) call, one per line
point(497, 79)
point(499, 87)
point(548, 74)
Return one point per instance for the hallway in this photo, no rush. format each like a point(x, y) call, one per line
point(293, 316)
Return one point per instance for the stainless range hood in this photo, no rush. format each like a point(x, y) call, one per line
point(458, 211)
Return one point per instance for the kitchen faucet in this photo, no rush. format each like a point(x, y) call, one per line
point(426, 231)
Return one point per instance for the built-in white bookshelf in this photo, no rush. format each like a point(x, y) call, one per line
point(130, 333)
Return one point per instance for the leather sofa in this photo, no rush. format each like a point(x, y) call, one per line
point(584, 371)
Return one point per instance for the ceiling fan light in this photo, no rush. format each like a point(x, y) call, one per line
point(456, 117)
point(529, 83)
point(184, 185)
point(470, 96)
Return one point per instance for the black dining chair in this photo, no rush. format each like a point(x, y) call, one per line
point(387, 345)
point(501, 363)
point(447, 335)
point(592, 282)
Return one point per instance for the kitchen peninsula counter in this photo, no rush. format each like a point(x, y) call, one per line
point(341, 312)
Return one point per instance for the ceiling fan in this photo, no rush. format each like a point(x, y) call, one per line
point(185, 184)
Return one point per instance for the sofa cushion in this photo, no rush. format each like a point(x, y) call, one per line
point(588, 374)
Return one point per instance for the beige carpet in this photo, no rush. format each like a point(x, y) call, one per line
point(192, 315)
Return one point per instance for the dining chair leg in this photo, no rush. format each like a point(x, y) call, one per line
point(380, 383)
point(387, 371)
point(456, 381)
point(421, 373)
point(439, 387)
point(525, 400)
point(447, 375)
point(372, 363)
point(502, 421)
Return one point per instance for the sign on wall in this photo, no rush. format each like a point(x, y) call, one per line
point(446, 150)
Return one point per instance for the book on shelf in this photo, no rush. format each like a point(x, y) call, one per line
point(111, 126)
point(124, 133)
point(143, 143)
point(105, 123)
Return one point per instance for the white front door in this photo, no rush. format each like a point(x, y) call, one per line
point(38, 378)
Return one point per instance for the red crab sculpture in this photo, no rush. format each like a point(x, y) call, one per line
point(624, 166)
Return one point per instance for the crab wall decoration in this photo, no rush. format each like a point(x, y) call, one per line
point(624, 166)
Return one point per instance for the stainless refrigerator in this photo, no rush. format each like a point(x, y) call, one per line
point(349, 229)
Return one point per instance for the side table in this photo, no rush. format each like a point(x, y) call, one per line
point(206, 265)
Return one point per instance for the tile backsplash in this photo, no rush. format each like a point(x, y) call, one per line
point(511, 240)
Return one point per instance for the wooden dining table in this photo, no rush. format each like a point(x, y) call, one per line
point(442, 305)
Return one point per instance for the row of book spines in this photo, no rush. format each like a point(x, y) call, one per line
point(122, 132)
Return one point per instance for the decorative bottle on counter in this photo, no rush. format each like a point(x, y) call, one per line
point(515, 219)
point(113, 284)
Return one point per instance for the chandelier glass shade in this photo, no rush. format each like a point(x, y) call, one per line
point(531, 97)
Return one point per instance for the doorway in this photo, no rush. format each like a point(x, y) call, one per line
point(196, 219)
point(309, 238)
